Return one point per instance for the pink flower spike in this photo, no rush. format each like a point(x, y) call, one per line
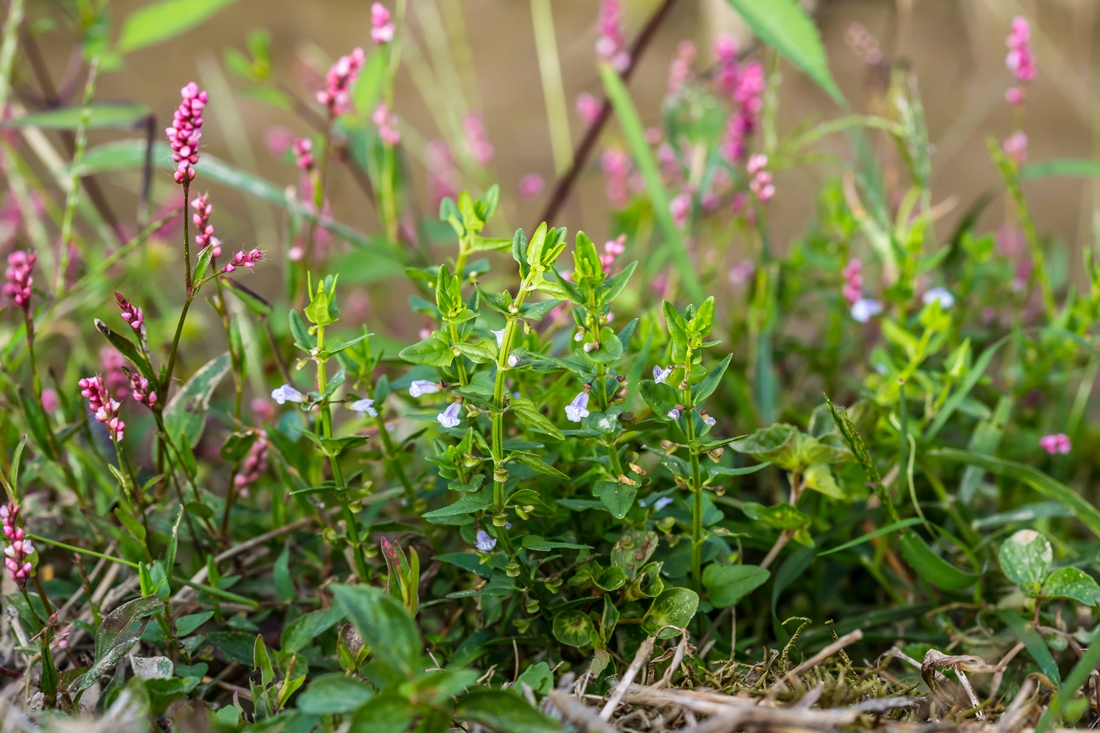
point(1015, 147)
point(19, 279)
point(186, 129)
point(477, 142)
point(382, 29)
point(1056, 443)
point(102, 406)
point(387, 125)
point(680, 208)
point(611, 36)
point(1020, 60)
point(244, 259)
point(139, 388)
point(131, 313)
point(303, 155)
point(19, 549)
point(254, 464)
point(588, 108)
point(336, 96)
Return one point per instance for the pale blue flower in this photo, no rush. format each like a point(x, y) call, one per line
point(364, 405)
point(674, 414)
point(513, 360)
point(500, 337)
point(577, 410)
point(422, 387)
point(449, 417)
point(940, 295)
point(662, 502)
point(485, 543)
point(285, 394)
point(865, 309)
point(660, 375)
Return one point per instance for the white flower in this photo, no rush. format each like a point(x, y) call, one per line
point(500, 337)
point(513, 360)
point(285, 394)
point(940, 295)
point(485, 543)
point(673, 414)
point(662, 502)
point(364, 405)
point(422, 387)
point(577, 410)
point(660, 375)
point(865, 309)
point(449, 417)
point(709, 421)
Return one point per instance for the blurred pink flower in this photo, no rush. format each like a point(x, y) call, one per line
point(1020, 60)
point(530, 186)
point(588, 108)
point(1015, 147)
point(339, 82)
point(1056, 443)
point(616, 167)
point(680, 68)
point(382, 29)
point(277, 140)
point(477, 142)
point(611, 37)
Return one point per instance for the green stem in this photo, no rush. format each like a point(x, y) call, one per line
point(463, 378)
point(74, 176)
point(696, 486)
point(498, 398)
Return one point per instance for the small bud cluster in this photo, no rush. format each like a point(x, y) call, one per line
point(104, 407)
point(853, 280)
point(142, 391)
point(244, 259)
point(477, 141)
point(205, 229)
point(19, 547)
point(19, 279)
point(336, 96)
point(387, 125)
point(186, 129)
point(303, 154)
point(254, 464)
point(382, 29)
point(611, 37)
point(761, 182)
point(131, 314)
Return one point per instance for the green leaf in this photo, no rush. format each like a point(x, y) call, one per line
point(1034, 643)
point(393, 635)
point(531, 415)
point(468, 504)
point(706, 387)
point(933, 568)
point(727, 584)
point(820, 478)
point(784, 26)
point(186, 413)
point(118, 632)
point(781, 516)
point(385, 713)
point(574, 628)
point(1025, 559)
point(673, 608)
point(538, 677)
point(660, 397)
point(541, 544)
point(634, 132)
point(778, 443)
point(127, 349)
point(1072, 167)
point(537, 464)
point(284, 585)
point(888, 529)
point(1034, 478)
point(1080, 673)
point(618, 498)
point(503, 712)
point(236, 645)
point(432, 351)
point(186, 625)
point(304, 630)
point(202, 264)
point(610, 347)
point(334, 693)
point(124, 116)
point(1073, 584)
point(158, 22)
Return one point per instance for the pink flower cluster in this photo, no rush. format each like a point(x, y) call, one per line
point(680, 208)
point(113, 366)
point(131, 314)
point(205, 229)
point(1020, 60)
point(611, 37)
point(761, 182)
point(746, 85)
point(254, 465)
point(336, 96)
point(588, 108)
point(530, 186)
point(616, 166)
point(1056, 443)
point(443, 179)
point(19, 279)
point(244, 259)
point(186, 129)
point(106, 409)
point(381, 29)
point(612, 250)
point(303, 154)
point(18, 549)
point(726, 65)
point(1015, 147)
point(477, 142)
point(387, 125)
point(853, 280)
point(680, 68)
point(140, 389)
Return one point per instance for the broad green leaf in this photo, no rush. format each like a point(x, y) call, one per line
point(618, 498)
point(574, 628)
point(783, 25)
point(674, 608)
point(186, 625)
point(186, 412)
point(160, 21)
point(127, 349)
point(334, 693)
point(1033, 477)
point(1034, 643)
point(432, 351)
point(117, 634)
point(1026, 558)
point(393, 635)
point(706, 387)
point(778, 444)
point(302, 631)
point(503, 712)
point(933, 568)
point(389, 712)
point(1071, 583)
point(68, 118)
point(634, 132)
point(727, 584)
point(538, 677)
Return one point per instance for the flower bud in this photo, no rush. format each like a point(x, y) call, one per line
point(532, 605)
point(500, 519)
point(469, 461)
point(500, 474)
point(512, 569)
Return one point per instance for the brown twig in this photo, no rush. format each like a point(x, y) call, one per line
point(565, 184)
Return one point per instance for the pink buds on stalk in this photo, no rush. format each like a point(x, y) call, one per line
point(530, 186)
point(244, 259)
point(140, 389)
point(612, 250)
point(588, 108)
point(748, 95)
point(131, 314)
point(1056, 443)
point(19, 279)
point(761, 183)
point(382, 29)
point(616, 170)
point(477, 142)
point(303, 154)
point(680, 208)
point(680, 68)
point(387, 125)
point(254, 464)
point(186, 129)
point(336, 95)
point(853, 281)
point(610, 36)
point(205, 229)
point(1015, 147)
point(19, 547)
point(100, 403)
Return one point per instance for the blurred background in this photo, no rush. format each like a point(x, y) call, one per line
point(480, 55)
